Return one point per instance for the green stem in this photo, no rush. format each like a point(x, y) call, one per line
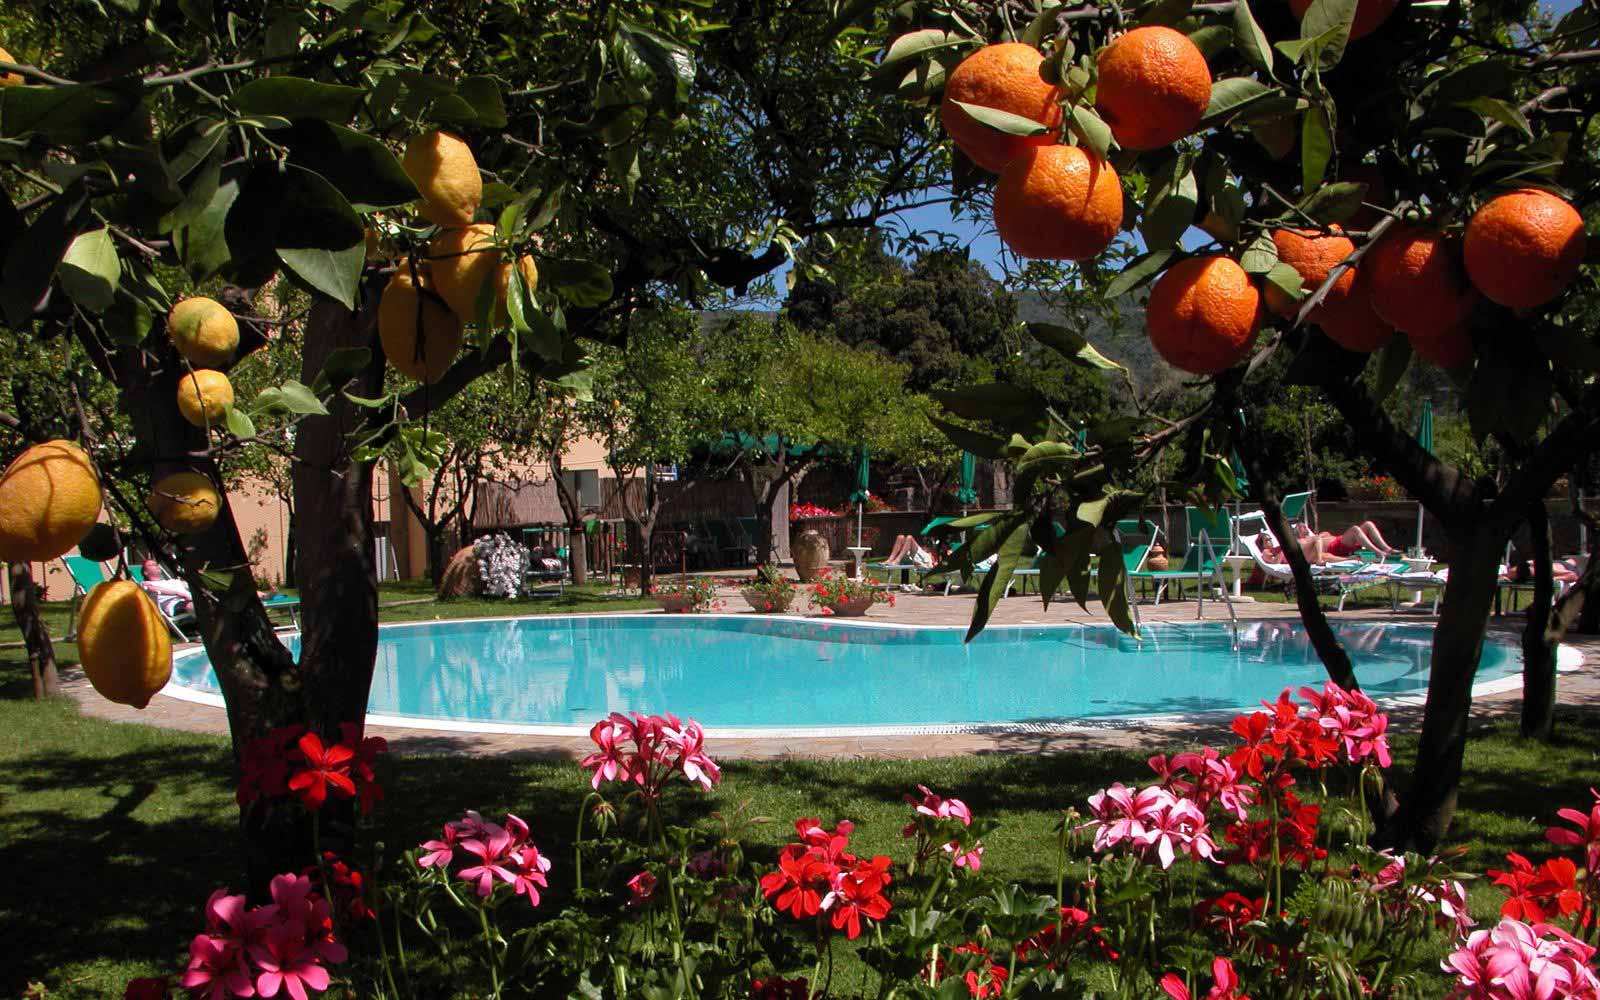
point(488, 943)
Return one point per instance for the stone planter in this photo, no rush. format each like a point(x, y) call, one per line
point(810, 552)
point(673, 604)
point(852, 608)
point(758, 603)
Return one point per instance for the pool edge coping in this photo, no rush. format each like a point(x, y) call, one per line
point(1568, 659)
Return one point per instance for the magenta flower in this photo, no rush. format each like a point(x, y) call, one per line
point(492, 851)
point(1116, 817)
point(1226, 985)
point(940, 808)
point(611, 762)
point(1177, 826)
point(437, 852)
point(968, 857)
point(1518, 961)
point(216, 971)
point(1587, 834)
point(528, 866)
point(287, 964)
point(641, 888)
point(688, 739)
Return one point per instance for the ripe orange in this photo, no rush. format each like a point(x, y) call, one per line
point(1522, 249)
point(1451, 349)
point(1312, 255)
point(1154, 87)
point(1349, 321)
point(1417, 281)
point(1370, 14)
point(1005, 77)
point(1202, 315)
point(1058, 203)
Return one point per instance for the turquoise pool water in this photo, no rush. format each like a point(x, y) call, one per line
point(764, 673)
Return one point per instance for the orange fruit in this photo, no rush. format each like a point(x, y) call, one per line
point(1312, 255)
point(1154, 87)
point(1370, 15)
point(1349, 321)
point(49, 498)
point(10, 79)
point(1202, 315)
point(1522, 249)
point(1005, 77)
point(1450, 349)
point(1417, 281)
point(1058, 203)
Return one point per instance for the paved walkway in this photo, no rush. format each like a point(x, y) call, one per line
point(1576, 688)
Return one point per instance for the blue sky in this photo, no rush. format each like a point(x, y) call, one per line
point(979, 235)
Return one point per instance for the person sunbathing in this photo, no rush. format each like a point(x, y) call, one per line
point(907, 551)
point(171, 595)
point(1325, 547)
point(1566, 569)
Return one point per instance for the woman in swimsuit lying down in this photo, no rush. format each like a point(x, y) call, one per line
point(1326, 547)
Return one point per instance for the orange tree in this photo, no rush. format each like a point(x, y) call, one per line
point(163, 167)
point(1357, 187)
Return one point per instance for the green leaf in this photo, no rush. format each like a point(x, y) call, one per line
point(1335, 202)
point(1166, 12)
point(69, 115)
point(1566, 347)
point(1484, 78)
point(1212, 40)
point(1233, 94)
point(1249, 39)
point(128, 321)
point(1002, 121)
point(1172, 214)
point(334, 273)
point(482, 93)
point(914, 44)
point(300, 399)
point(997, 401)
point(1287, 280)
point(1392, 363)
point(1504, 112)
point(363, 169)
point(980, 444)
point(1316, 146)
point(343, 364)
point(1043, 459)
point(90, 270)
point(1091, 128)
point(293, 97)
point(581, 282)
point(1328, 22)
point(201, 243)
point(1260, 256)
point(1138, 272)
point(1113, 586)
point(238, 422)
point(623, 164)
point(669, 61)
point(1010, 534)
point(1071, 345)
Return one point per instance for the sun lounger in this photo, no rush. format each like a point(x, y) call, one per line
point(1339, 578)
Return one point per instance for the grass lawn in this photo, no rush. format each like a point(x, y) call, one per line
point(112, 836)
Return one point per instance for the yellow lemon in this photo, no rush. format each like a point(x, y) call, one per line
point(203, 396)
point(123, 643)
point(502, 283)
point(446, 174)
point(204, 332)
point(49, 498)
point(398, 328)
point(185, 502)
point(459, 267)
point(9, 79)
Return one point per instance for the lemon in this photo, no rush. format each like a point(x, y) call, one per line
point(9, 79)
point(204, 332)
point(459, 268)
point(397, 328)
point(49, 498)
point(185, 502)
point(203, 396)
point(123, 643)
point(446, 174)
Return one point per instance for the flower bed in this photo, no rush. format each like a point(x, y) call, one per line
point(1217, 879)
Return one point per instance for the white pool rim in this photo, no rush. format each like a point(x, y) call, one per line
point(1568, 659)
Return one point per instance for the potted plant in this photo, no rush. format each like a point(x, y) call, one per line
point(845, 597)
point(694, 595)
point(770, 591)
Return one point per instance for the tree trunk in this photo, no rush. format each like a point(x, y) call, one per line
point(1430, 799)
point(577, 541)
point(288, 547)
point(35, 633)
point(1538, 649)
point(771, 497)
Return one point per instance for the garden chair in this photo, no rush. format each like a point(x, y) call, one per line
point(85, 573)
point(1341, 579)
point(1202, 563)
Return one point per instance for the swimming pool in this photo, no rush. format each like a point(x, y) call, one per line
point(770, 676)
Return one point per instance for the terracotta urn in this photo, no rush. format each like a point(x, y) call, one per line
point(760, 602)
point(672, 604)
point(854, 608)
point(810, 552)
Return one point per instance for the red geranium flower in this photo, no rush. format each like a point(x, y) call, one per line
point(799, 883)
point(325, 767)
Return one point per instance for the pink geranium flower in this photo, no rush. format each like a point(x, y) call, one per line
point(287, 964)
point(216, 970)
point(610, 763)
point(641, 888)
point(1587, 834)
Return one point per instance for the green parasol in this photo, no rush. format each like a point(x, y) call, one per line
point(863, 492)
point(967, 493)
point(1425, 439)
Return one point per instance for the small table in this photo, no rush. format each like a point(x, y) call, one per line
point(860, 554)
point(1237, 564)
point(1417, 564)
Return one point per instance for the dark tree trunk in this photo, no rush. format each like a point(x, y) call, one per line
point(288, 553)
point(35, 633)
point(1538, 649)
point(771, 497)
point(1430, 799)
point(577, 541)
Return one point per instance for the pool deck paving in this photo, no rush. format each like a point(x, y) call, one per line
point(1580, 687)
